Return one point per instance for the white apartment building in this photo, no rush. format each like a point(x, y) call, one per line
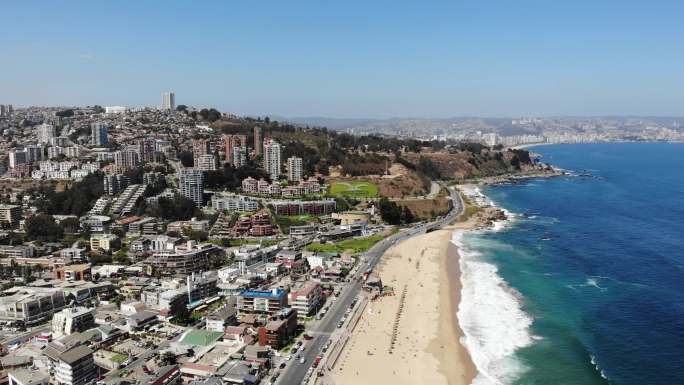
point(233, 203)
point(294, 169)
point(168, 101)
point(206, 162)
point(192, 185)
point(272, 162)
point(307, 299)
point(45, 133)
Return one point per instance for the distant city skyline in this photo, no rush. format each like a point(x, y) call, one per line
point(350, 59)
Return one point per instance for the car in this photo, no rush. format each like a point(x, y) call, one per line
point(339, 324)
point(317, 361)
point(302, 360)
point(307, 336)
point(282, 365)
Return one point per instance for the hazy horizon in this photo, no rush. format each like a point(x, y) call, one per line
point(351, 60)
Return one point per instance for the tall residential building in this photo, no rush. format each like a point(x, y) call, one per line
point(146, 149)
point(98, 134)
point(258, 140)
point(200, 147)
point(168, 101)
point(294, 169)
point(272, 159)
point(207, 162)
point(232, 141)
point(17, 157)
point(10, 214)
point(192, 185)
point(126, 158)
point(5, 109)
point(34, 153)
point(45, 133)
point(114, 183)
point(239, 156)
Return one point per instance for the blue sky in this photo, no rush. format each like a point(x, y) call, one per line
point(350, 58)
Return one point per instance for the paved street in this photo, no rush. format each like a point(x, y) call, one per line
point(295, 372)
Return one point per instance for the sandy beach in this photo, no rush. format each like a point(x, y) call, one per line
point(427, 348)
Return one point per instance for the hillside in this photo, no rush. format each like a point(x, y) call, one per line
point(372, 156)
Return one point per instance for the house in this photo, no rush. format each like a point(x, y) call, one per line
point(218, 320)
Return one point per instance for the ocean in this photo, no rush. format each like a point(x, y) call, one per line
point(585, 284)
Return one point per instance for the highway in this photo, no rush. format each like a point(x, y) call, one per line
point(295, 372)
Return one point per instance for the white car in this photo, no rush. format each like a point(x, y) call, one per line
point(302, 360)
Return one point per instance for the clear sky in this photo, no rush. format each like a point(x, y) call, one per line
point(350, 58)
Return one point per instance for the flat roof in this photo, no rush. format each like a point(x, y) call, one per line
point(267, 294)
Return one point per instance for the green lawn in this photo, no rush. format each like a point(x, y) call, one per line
point(357, 245)
point(119, 358)
point(354, 189)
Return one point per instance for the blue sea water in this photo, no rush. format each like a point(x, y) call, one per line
point(586, 284)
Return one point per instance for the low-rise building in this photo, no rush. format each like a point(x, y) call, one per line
point(104, 242)
point(262, 301)
point(79, 272)
point(307, 299)
point(72, 320)
point(278, 332)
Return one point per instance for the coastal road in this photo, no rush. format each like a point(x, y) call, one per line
point(295, 372)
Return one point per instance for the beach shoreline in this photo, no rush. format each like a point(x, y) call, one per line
point(428, 335)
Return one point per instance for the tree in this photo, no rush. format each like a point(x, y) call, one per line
point(42, 227)
point(71, 225)
point(176, 209)
point(407, 215)
point(121, 257)
point(186, 158)
point(389, 211)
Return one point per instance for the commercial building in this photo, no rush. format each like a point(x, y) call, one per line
point(80, 272)
point(184, 259)
point(31, 305)
point(192, 185)
point(294, 169)
point(98, 134)
point(168, 101)
point(272, 163)
point(72, 320)
point(262, 301)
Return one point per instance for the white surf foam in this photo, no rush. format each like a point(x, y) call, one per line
point(491, 317)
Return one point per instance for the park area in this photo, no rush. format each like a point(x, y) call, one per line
point(354, 189)
point(356, 245)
